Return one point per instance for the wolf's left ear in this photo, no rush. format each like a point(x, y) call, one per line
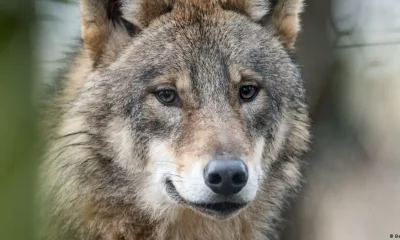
point(282, 15)
point(108, 25)
point(102, 23)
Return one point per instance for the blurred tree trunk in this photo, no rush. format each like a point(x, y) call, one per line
point(17, 115)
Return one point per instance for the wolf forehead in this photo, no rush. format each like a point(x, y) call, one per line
point(194, 55)
point(195, 62)
point(219, 47)
point(234, 41)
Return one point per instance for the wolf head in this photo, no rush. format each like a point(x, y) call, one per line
point(185, 105)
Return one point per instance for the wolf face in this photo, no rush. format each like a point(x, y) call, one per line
point(185, 105)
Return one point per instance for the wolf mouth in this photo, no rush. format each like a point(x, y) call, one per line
point(221, 209)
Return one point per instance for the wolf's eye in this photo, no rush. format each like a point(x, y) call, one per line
point(248, 92)
point(167, 96)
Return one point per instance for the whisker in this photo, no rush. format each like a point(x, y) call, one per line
point(65, 150)
point(74, 134)
point(72, 145)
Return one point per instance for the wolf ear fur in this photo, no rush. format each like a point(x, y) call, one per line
point(282, 15)
point(107, 25)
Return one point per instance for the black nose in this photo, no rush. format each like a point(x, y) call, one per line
point(226, 177)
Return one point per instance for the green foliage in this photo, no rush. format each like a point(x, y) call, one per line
point(17, 120)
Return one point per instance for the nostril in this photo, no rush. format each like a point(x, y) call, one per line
point(214, 178)
point(239, 178)
point(226, 177)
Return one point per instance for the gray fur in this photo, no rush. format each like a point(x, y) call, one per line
point(97, 178)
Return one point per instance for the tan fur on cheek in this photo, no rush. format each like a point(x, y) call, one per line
point(119, 136)
point(256, 158)
point(161, 158)
point(161, 166)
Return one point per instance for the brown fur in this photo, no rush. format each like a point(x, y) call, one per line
point(286, 21)
point(111, 131)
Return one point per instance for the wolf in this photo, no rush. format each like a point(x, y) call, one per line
point(176, 120)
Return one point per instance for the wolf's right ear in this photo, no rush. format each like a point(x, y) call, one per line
point(281, 15)
point(108, 25)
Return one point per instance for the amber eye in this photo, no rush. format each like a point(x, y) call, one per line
point(248, 92)
point(167, 96)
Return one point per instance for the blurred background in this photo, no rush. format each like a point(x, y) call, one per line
point(349, 53)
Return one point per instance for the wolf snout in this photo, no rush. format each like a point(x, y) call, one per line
point(226, 177)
